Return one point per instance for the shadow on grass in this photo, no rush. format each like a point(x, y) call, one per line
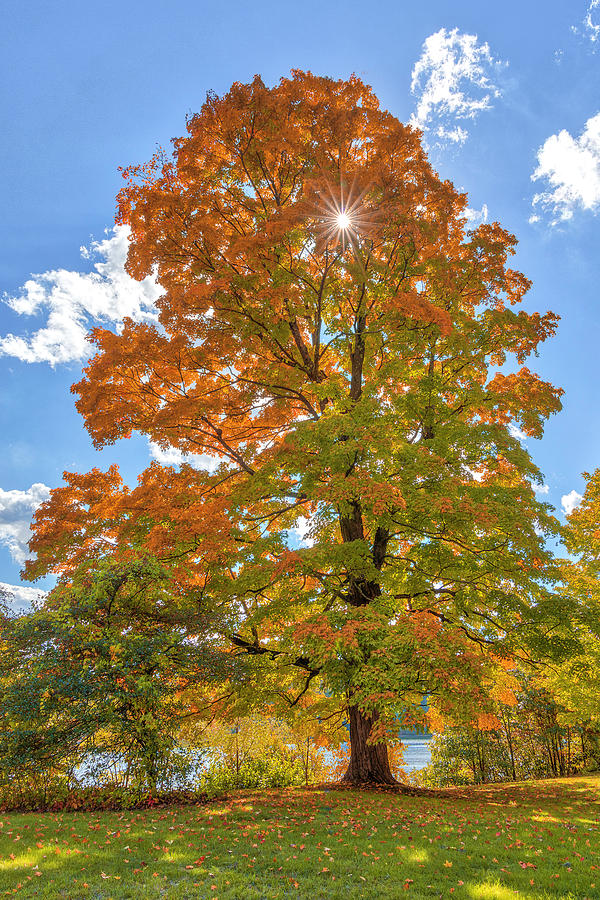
point(540, 840)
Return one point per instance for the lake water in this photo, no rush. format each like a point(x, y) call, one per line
point(417, 753)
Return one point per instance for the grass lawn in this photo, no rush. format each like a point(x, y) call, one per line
point(530, 840)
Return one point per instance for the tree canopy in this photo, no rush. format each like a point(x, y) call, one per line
point(345, 360)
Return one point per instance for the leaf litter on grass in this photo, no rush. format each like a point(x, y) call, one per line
point(533, 841)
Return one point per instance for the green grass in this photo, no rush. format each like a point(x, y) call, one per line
point(534, 840)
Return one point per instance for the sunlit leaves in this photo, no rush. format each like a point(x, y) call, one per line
point(360, 389)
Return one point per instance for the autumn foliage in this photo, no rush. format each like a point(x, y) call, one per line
point(352, 384)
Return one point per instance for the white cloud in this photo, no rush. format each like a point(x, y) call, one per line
point(455, 135)
point(171, 456)
point(20, 599)
point(302, 532)
point(571, 168)
point(570, 501)
point(592, 27)
point(16, 510)
point(516, 432)
point(541, 488)
point(476, 217)
point(475, 474)
point(73, 302)
point(454, 79)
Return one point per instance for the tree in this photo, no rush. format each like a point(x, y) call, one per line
point(95, 675)
point(575, 682)
point(246, 747)
point(336, 343)
point(530, 736)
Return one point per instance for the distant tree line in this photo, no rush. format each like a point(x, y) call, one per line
point(535, 738)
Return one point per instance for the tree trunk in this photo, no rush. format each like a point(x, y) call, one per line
point(369, 763)
point(307, 761)
point(481, 754)
point(507, 730)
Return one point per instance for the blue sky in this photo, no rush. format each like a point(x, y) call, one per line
point(507, 95)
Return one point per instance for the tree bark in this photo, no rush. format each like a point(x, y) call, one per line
point(369, 763)
point(507, 730)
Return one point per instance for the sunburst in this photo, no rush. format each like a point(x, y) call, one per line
point(343, 217)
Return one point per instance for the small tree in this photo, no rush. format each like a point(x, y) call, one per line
point(91, 676)
point(575, 682)
point(335, 340)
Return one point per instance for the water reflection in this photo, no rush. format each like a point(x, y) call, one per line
point(417, 752)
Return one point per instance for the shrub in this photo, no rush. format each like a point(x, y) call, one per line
point(274, 771)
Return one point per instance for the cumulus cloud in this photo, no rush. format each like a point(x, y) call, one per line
point(453, 81)
point(302, 532)
point(16, 510)
point(516, 432)
point(171, 456)
point(476, 217)
point(571, 169)
point(541, 488)
point(570, 501)
point(475, 474)
point(73, 302)
point(20, 599)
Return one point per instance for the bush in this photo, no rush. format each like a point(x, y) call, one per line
point(176, 769)
point(105, 786)
point(276, 771)
point(56, 793)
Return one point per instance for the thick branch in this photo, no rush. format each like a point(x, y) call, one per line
point(253, 648)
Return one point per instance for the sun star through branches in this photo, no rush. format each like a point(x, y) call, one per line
point(343, 216)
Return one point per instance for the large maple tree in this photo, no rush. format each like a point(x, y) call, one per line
point(351, 358)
